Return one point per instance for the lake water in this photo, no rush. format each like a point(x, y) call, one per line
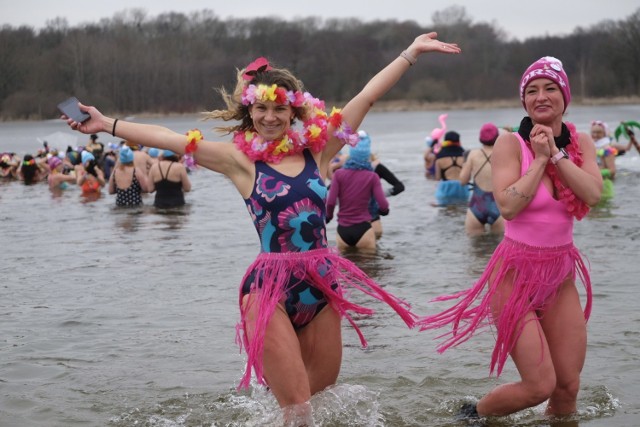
point(116, 318)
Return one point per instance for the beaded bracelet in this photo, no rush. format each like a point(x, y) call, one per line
point(410, 59)
point(193, 137)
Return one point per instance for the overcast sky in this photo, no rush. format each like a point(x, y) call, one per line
point(518, 19)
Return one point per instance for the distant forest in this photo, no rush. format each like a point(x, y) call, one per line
point(173, 63)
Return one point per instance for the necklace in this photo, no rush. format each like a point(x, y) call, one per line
point(313, 135)
point(575, 206)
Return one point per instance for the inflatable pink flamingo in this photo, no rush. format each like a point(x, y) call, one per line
point(438, 133)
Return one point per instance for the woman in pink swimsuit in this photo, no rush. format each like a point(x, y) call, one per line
point(544, 176)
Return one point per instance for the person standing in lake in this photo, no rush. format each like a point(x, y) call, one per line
point(169, 179)
point(352, 187)
point(294, 295)
point(483, 208)
point(449, 162)
point(544, 177)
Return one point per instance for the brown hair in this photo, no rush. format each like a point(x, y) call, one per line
point(237, 111)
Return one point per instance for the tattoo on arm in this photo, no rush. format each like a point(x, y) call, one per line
point(513, 192)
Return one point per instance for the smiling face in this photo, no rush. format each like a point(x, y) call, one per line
point(271, 120)
point(543, 100)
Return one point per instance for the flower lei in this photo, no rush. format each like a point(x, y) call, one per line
point(575, 206)
point(607, 151)
point(193, 137)
point(314, 132)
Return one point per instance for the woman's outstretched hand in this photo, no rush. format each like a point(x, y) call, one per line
point(94, 124)
point(429, 43)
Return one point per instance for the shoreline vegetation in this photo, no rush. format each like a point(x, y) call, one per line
point(172, 64)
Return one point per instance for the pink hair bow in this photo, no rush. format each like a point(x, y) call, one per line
point(258, 66)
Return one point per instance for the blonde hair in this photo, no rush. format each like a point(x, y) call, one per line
point(237, 111)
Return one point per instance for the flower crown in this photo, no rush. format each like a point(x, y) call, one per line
point(314, 133)
point(261, 92)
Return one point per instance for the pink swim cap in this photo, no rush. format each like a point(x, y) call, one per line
point(488, 133)
point(550, 68)
point(54, 162)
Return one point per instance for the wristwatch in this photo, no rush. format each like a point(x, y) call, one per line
point(562, 154)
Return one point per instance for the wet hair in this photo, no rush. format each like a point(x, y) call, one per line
point(91, 167)
point(171, 158)
point(28, 170)
point(237, 111)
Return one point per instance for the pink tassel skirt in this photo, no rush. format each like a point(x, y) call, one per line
point(537, 273)
point(328, 272)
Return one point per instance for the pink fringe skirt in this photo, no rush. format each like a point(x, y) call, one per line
point(538, 273)
point(328, 272)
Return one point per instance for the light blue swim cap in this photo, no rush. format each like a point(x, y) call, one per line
point(153, 152)
point(168, 153)
point(362, 151)
point(86, 156)
point(126, 155)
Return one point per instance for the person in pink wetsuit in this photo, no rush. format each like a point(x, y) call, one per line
point(544, 176)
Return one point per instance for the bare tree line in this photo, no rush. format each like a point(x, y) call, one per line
point(174, 62)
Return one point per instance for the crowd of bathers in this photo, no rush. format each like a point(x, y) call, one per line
point(464, 176)
point(126, 170)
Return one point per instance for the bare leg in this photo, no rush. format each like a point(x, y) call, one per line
point(284, 369)
point(533, 361)
point(498, 226)
point(566, 332)
point(377, 228)
point(367, 241)
point(472, 226)
point(321, 345)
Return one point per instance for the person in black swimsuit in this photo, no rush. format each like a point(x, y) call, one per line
point(169, 179)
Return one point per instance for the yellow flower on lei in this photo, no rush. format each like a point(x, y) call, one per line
point(266, 93)
point(314, 130)
point(283, 146)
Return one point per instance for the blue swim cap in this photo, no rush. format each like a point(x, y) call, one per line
point(86, 156)
point(153, 152)
point(126, 155)
point(168, 153)
point(362, 151)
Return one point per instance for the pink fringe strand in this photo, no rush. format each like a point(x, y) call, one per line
point(538, 274)
point(275, 269)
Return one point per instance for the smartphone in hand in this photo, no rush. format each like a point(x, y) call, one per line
point(70, 109)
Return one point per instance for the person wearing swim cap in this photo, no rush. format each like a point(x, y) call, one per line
point(483, 214)
point(352, 188)
point(448, 163)
point(544, 177)
point(89, 176)
point(170, 180)
point(128, 182)
point(56, 179)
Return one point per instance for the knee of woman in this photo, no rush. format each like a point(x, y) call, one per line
point(542, 389)
point(569, 388)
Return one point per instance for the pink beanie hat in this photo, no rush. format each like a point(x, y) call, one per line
point(550, 68)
